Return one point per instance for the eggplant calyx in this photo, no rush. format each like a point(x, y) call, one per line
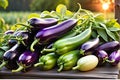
point(110, 61)
point(19, 69)
point(3, 64)
point(38, 64)
point(82, 51)
point(47, 50)
point(105, 59)
point(32, 45)
point(60, 68)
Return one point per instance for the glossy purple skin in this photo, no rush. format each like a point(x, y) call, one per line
point(12, 55)
point(109, 46)
point(90, 44)
point(14, 52)
point(42, 23)
point(114, 56)
point(102, 56)
point(12, 42)
point(48, 34)
point(28, 58)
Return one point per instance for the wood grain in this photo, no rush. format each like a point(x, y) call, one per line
point(106, 72)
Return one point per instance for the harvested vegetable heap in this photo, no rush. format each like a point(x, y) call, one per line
point(61, 39)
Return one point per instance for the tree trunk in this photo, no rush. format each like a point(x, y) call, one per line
point(117, 10)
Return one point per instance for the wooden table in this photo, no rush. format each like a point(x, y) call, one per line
point(106, 72)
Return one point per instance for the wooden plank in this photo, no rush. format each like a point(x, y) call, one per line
point(106, 72)
point(117, 10)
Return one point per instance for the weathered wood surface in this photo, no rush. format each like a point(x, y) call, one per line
point(117, 10)
point(106, 72)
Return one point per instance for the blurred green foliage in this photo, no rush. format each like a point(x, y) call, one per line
point(49, 5)
point(4, 3)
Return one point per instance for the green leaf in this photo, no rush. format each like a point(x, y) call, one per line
point(45, 13)
point(103, 34)
point(33, 15)
point(114, 29)
point(4, 3)
point(111, 22)
point(61, 9)
point(99, 18)
point(94, 34)
point(111, 34)
point(117, 25)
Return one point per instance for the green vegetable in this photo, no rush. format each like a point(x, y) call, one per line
point(68, 44)
point(68, 60)
point(86, 63)
point(47, 62)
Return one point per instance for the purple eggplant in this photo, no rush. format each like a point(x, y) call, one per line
point(9, 32)
point(10, 56)
point(89, 46)
point(12, 42)
point(38, 23)
point(114, 57)
point(109, 46)
point(52, 33)
point(25, 37)
point(26, 60)
point(102, 57)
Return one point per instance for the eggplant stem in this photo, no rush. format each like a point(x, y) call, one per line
point(75, 68)
point(61, 67)
point(110, 61)
point(38, 64)
point(19, 69)
point(32, 45)
point(3, 64)
point(48, 50)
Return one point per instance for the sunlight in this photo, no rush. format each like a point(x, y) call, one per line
point(105, 6)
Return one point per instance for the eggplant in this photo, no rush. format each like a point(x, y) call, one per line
point(26, 60)
point(10, 56)
point(52, 33)
point(109, 46)
point(25, 37)
point(12, 42)
point(114, 58)
point(39, 24)
point(102, 57)
point(89, 46)
point(9, 32)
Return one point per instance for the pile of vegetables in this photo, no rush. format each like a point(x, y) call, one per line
point(62, 39)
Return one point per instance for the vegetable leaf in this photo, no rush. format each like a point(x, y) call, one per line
point(99, 18)
point(114, 29)
point(112, 35)
point(33, 15)
point(4, 3)
point(103, 34)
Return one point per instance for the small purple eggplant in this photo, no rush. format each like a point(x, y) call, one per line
point(114, 57)
point(26, 60)
point(12, 42)
point(38, 23)
point(89, 46)
point(10, 56)
point(9, 32)
point(52, 33)
point(109, 46)
point(102, 57)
